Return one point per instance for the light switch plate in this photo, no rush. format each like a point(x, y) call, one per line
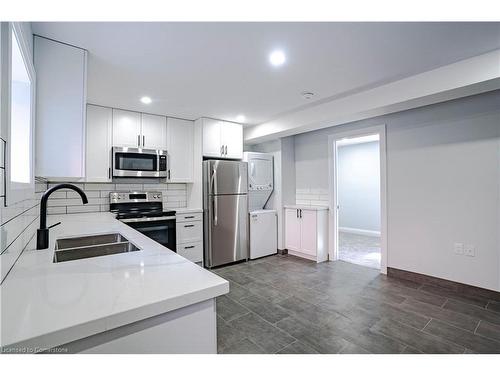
point(458, 248)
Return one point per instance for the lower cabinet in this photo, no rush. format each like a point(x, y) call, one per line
point(189, 236)
point(306, 232)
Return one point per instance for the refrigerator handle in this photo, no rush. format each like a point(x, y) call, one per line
point(215, 210)
point(214, 191)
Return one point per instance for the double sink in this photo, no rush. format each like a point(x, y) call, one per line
point(73, 248)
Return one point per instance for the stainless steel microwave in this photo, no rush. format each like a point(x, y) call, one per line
point(139, 162)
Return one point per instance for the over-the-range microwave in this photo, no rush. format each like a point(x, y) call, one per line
point(139, 162)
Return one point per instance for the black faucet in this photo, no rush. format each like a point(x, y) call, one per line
point(42, 234)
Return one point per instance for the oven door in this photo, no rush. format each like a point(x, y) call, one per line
point(160, 229)
point(138, 162)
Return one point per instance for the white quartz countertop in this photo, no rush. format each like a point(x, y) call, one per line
point(304, 207)
point(46, 304)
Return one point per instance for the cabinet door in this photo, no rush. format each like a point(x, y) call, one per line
point(154, 131)
point(98, 143)
point(292, 230)
point(126, 128)
point(308, 230)
point(232, 140)
point(180, 148)
point(212, 138)
point(60, 109)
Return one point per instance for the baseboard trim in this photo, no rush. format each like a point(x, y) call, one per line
point(363, 232)
point(443, 283)
point(282, 251)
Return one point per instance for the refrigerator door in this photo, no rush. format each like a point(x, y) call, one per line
point(227, 239)
point(226, 177)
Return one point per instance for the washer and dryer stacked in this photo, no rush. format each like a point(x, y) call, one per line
point(263, 223)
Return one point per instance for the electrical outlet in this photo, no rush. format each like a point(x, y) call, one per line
point(458, 248)
point(470, 250)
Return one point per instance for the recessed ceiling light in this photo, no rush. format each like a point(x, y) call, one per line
point(277, 58)
point(240, 118)
point(146, 100)
point(307, 94)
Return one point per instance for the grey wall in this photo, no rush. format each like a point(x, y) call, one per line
point(359, 186)
point(443, 178)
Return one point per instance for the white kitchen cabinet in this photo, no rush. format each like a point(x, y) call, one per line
point(98, 144)
point(180, 148)
point(126, 128)
point(189, 236)
point(153, 131)
point(212, 145)
point(232, 140)
point(61, 80)
point(306, 232)
point(222, 139)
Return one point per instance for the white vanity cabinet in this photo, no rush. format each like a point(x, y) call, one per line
point(189, 235)
point(306, 232)
point(61, 81)
point(180, 148)
point(222, 139)
point(98, 144)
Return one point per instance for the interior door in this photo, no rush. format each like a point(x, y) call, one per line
point(228, 229)
point(126, 128)
point(154, 131)
point(292, 229)
point(308, 229)
point(232, 140)
point(212, 138)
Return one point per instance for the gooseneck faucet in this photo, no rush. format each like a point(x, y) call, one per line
point(42, 234)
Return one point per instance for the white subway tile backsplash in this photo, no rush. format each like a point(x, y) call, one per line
point(94, 186)
point(56, 210)
point(88, 193)
point(82, 209)
point(129, 187)
point(312, 197)
point(176, 186)
point(159, 187)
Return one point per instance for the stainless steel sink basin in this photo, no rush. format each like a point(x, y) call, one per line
point(100, 239)
point(91, 246)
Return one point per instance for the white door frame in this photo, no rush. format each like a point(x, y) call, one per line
point(332, 182)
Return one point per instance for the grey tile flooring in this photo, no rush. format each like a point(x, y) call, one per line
point(288, 305)
point(359, 249)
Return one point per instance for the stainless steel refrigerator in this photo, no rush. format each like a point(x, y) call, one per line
point(225, 210)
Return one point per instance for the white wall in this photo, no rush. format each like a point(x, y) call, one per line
point(443, 177)
point(359, 186)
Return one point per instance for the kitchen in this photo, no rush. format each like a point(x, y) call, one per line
point(155, 208)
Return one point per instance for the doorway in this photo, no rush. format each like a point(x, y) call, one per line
point(357, 191)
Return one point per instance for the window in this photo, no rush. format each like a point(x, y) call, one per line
point(20, 116)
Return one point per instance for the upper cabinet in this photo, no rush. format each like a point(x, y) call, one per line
point(61, 72)
point(126, 128)
point(180, 148)
point(98, 143)
point(154, 131)
point(141, 130)
point(222, 139)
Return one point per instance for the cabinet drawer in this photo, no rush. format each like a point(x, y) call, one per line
point(191, 251)
point(189, 231)
point(189, 216)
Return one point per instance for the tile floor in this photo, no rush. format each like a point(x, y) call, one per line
point(359, 249)
point(284, 304)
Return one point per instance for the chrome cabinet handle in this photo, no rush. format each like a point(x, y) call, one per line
point(300, 213)
point(226, 150)
point(188, 217)
point(222, 150)
point(297, 213)
point(138, 140)
point(143, 141)
point(168, 173)
point(189, 226)
point(188, 247)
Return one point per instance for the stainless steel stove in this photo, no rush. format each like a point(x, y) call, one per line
point(143, 211)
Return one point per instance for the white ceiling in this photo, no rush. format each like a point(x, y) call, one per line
point(221, 70)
